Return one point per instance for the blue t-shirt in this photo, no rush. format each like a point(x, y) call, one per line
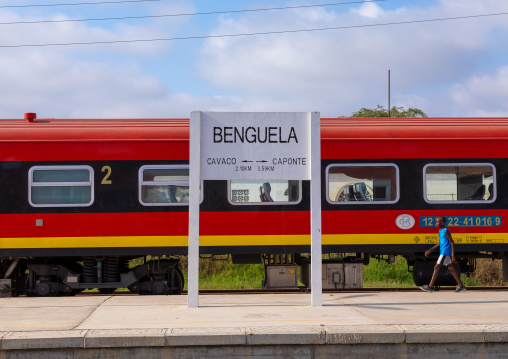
point(445, 247)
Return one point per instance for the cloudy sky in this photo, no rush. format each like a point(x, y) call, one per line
point(455, 67)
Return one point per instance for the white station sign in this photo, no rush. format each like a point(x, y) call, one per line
point(236, 145)
point(254, 146)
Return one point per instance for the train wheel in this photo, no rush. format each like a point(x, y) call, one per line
point(134, 287)
point(159, 285)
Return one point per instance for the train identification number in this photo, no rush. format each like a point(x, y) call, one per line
point(464, 221)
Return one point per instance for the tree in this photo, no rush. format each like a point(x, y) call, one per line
point(381, 111)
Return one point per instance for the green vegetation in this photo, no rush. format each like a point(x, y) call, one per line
point(379, 273)
point(381, 111)
point(223, 274)
point(489, 272)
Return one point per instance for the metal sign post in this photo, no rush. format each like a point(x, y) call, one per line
point(252, 146)
point(194, 190)
point(316, 258)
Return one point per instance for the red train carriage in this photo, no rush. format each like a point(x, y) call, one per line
point(80, 198)
point(421, 168)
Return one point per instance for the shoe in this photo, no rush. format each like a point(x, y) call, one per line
point(460, 289)
point(426, 288)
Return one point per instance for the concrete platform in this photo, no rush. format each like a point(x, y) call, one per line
point(470, 324)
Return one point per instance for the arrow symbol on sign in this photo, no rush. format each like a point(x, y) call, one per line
point(247, 161)
point(262, 161)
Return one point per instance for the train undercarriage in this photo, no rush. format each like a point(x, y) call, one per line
point(163, 276)
point(60, 277)
point(345, 271)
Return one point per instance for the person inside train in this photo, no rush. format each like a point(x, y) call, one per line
point(156, 194)
point(491, 191)
point(478, 195)
point(359, 190)
point(172, 194)
point(265, 190)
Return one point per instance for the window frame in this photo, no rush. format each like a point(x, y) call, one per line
point(362, 203)
point(163, 183)
point(449, 164)
point(265, 203)
point(90, 183)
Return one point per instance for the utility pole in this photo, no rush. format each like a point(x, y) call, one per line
point(389, 93)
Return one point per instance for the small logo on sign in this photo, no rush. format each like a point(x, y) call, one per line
point(405, 221)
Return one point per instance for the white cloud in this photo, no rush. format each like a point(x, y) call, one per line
point(86, 81)
point(340, 71)
point(444, 68)
point(485, 95)
point(369, 10)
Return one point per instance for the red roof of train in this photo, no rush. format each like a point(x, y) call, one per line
point(178, 129)
point(414, 128)
point(51, 129)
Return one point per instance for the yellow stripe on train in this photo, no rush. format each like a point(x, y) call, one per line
point(94, 242)
point(251, 240)
point(150, 241)
point(413, 238)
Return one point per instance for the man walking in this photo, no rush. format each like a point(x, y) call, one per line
point(447, 256)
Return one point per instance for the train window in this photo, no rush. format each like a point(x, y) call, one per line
point(362, 183)
point(164, 185)
point(271, 192)
point(60, 186)
point(459, 182)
